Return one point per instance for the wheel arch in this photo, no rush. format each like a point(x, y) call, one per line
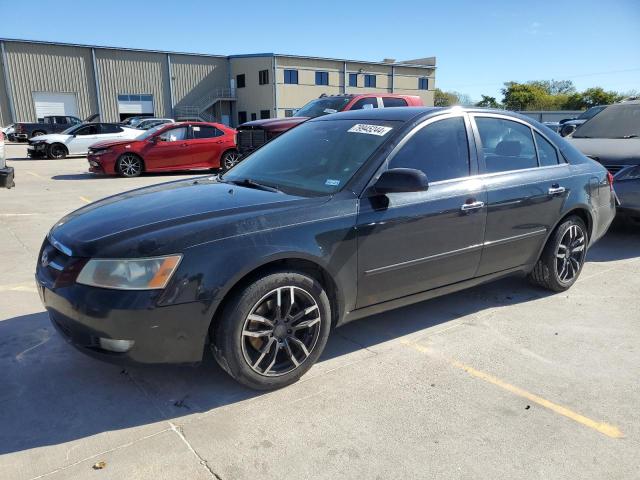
point(580, 211)
point(299, 263)
point(66, 149)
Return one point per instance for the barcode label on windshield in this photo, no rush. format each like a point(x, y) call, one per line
point(378, 130)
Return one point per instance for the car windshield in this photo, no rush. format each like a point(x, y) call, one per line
point(590, 113)
point(72, 130)
point(323, 106)
point(615, 121)
point(316, 158)
point(150, 132)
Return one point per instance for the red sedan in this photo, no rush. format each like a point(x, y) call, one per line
point(174, 146)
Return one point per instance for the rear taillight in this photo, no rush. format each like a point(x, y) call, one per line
point(610, 180)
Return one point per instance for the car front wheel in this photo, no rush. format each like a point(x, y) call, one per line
point(129, 165)
point(273, 330)
point(56, 151)
point(563, 256)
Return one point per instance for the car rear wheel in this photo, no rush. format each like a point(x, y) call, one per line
point(229, 159)
point(563, 256)
point(273, 330)
point(56, 151)
point(129, 165)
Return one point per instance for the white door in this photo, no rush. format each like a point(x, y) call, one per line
point(135, 104)
point(83, 139)
point(55, 103)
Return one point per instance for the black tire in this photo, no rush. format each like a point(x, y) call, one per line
point(129, 165)
point(559, 267)
point(284, 361)
point(37, 133)
point(56, 151)
point(229, 159)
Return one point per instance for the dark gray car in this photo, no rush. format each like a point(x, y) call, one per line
point(613, 139)
point(341, 217)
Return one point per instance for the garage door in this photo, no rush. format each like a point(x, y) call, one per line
point(55, 103)
point(129, 105)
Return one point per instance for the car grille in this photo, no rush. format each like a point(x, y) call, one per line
point(251, 139)
point(56, 267)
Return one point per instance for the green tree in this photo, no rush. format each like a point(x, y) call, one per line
point(447, 99)
point(519, 96)
point(488, 102)
point(590, 98)
point(554, 87)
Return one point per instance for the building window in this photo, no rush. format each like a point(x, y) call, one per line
point(240, 81)
point(263, 77)
point(264, 114)
point(291, 76)
point(289, 113)
point(322, 78)
point(254, 117)
point(370, 81)
point(353, 79)
point(423, 84)
point(242, 117)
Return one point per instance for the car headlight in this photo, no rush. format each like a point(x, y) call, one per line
point(129, 273)
point(97, 153)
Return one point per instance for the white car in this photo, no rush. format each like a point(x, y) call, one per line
point(76, 140)
point(148, 123)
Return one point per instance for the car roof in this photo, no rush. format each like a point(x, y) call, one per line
point(393, 113)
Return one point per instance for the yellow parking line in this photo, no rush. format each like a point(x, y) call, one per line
point(33, 174)
point(604, 428)
point(84, 199)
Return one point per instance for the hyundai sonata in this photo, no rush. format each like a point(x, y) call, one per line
point(341, 217)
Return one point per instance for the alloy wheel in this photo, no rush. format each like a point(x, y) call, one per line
point(570, 253)
point(57, 151)
point(281, 331)
point(230, 159)
point(130, 165)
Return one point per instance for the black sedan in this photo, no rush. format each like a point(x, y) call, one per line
point(341, 217)
point(613, 139)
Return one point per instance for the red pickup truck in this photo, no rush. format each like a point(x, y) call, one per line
point(256, 133)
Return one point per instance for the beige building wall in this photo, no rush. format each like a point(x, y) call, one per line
point(399, 79)
point(253, 97)
point(196, 77)
point(131, 72)
point(49, 68)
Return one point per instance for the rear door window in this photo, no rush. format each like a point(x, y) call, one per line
point(205, 131)
point(87, 130)
point(394, 102)
point(506, 145)
point(547, 153)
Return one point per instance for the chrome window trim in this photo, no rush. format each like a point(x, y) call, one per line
point(522, 236)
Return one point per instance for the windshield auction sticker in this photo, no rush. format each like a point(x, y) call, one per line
point(378, 130)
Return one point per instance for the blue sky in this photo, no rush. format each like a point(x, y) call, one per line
point(478, 44)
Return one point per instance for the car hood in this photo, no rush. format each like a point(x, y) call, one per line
point(113, 143)
point(50, 138)
point(171, 217)
point(274, 124)
point(609, 151)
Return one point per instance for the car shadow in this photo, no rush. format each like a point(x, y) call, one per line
point(52, 394)
point(621, 242)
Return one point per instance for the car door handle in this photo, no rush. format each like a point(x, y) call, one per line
point(554, 190)
point(471, 206)
point(184, 145)
point(220, 141)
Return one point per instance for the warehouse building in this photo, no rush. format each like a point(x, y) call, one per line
point(43, 78)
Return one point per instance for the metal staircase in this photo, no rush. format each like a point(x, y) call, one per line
point(199, 110)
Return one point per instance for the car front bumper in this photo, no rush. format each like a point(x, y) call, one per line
point(102, 164)
point(37, 150)
point(173, 334)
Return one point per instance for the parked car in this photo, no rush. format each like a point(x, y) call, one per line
point(148, 123)
point(256, 133)
point(133, 121)
point(77, 139)
point(9, 132)
point(6, 173)
point(344, 216)
point(613, 139)
point(569, 125)
point(174, 146)
point(50, 124)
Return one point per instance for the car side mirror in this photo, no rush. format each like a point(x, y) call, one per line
point(397, 180)
point(567, 130)
point(153, 139)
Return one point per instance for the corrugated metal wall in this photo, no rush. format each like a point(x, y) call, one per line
point(5, 111)
point(196, 77)
point(129, 72)
point(49, 68)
